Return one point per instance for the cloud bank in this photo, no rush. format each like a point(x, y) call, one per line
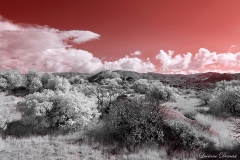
point(203, 61)
point(131, 64)
point(46, 49)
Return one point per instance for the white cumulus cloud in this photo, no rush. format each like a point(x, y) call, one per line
point(131, 64)
point(45, 49)
point(203, 61)
point(136, 53)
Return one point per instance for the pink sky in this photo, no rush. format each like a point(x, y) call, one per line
point(164, 36)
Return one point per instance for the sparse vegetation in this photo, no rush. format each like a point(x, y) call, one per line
point(111, 118)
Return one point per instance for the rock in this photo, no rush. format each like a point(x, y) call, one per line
point(175, 114)
point(212, 132)
point(96, 78)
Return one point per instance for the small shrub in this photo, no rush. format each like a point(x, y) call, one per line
point(205, 121)
point(160, 94)
point(190, 113)
point(216, 109)
point(3, 84)
point(182, 136)
point(45, 78)
point(58, 84)
point(34, 74)
point(35, 85)
point(111, 75)
point(88, 90)
point(4, 116)
point(76, 80)
point(205, 97)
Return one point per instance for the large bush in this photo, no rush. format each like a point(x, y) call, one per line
point(135, 122)
point(226, 100)
point(14, 79)
point(52, 110)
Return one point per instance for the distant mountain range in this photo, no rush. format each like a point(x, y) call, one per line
point(197, 81)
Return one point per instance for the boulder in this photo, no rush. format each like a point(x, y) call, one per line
point(175, 114)
point(212, 132)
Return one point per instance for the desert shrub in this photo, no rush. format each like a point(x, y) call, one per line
point(87, 89)
point(182, 136)
point(52, 110)
point(105, 97)
point(155, 83)
point(35, 85)
point(216, 109)
point(205, 121)
point(32, 74)
point(111, 75)
point(205, 97)
point(76, 80)
point(223, 84)
point(118, 80)
point(3, 84)
point(14, 79)
point(135, 123)
point(34, 81)
point(58, 83)
point(4, 116)
point(46, 77)
point(141, 86)
point(226, 100)
point(160, 94)
point(190, 113)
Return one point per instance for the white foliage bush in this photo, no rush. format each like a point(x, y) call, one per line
point(160, 94)
point(34, 74)
point(111, 75)
point(76, 80)
point(51, 109)
point(141, 86)
point(58, 84)
point(14, 79)
point(35, 85)
point(225, 100)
